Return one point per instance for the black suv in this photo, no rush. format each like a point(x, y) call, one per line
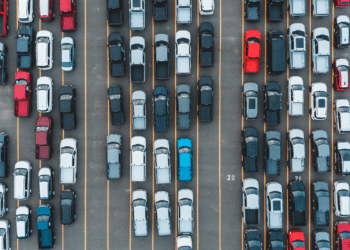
point(68, 207)
point(4, 140)
point(206, 44)
point(320, 204)
point(250, 150)
point(161, 109)
point(272, 103)
point(205, 99)
point(297, 203)
point(272, 153)
point(67, 107)
point(116, 106)
point(116, 54)
point(275, 240)
point(252, 239)
point(276, 52)
point(3, 73)
point(320, 151)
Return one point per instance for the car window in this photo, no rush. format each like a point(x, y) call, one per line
point(292, 42)
point(316, 47)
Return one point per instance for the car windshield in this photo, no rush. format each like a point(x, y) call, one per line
point(323, 37)
point(344, 110)
point(65, 97)
point(343, 68)
point(160, 98)
point(254, 243)
point(345, 235)
point(162, 204)
point(297, 87)
point(185, 202)
point(67, 150)
point(139, 102)
point(183, 40)
point(114, 97)
point(43, 40)
point(44, 178)
point(253, 40)
point(298, 243)
point(136, 46)
point(66, 202)
point(43, 87)
point(21, 218)
point(298, 193)
point(184, 150)
point(137, 148)
point(21, 82)
point(43, 218)
point(20, 171)
point(66, 46)
point(42, 129)
point(185, 96)
point(185, 248)
point(250, 191)
point(113, 146)
point(139, 203)
point(251, 139)
point(276, 244)
point(205, 87)
point(298, 32)
point(161, 151)
point(2, 232)
point(343, 192)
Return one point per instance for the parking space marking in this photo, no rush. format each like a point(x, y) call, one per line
point(332, 130)
point(107, 134)
point(310, 27)
point(17, 129)
point(265, 61)
point(85, 96)
point(130, 134)
point(62, 237)
point(287, 155)
point(242, 116)
point(175, 29)
point(197, 135)
point(219, 127)
point(152, 137)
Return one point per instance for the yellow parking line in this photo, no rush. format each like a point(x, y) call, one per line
point(130, 183)
point(332, 154)
point(310, 27)
point(107, 134)
point(197, 135)
point(220, 129)
point(152, 137)
point(85, 99)
point(242, 116)
point(175, 29)
point(265, 130)
point(287, 226)
point(17, 241)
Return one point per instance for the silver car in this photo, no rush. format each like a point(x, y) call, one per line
point(184, 242)
point(21, 180)
point(5, 235)
point(67, 54)
point(251, 201)
point(250, 100)
point(185, 211)
point(25, 11)
point(23, 229)
point(44, 86)
point(296, 150)
point(318, 101)
point(139, 121)
point(114, 143)
point(140, 212)
point(206, 7)
point(138, 159)
point(296, 96)
point(183, 96)
point(274, 205)
point(342, 116)
point(3, 201)
point(163, 211)
point(162, 163)
point(341, 199)
point(45, 179)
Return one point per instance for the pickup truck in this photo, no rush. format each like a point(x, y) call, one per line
point(297, 46)
point(184, 11)
point(68, 161)
point(295, 96)
point(163, 211)
point(44, 218)
point(161, 69)
point(320, 51)
point(3, 73)
point(24, 47)
point(274, 205)
point(116, 54)
point(137, 60)
point(205, 99)
point(320, 204)
point(138, 159)
point(297, 204)
point(162, 161)
point(275, 10)
point(185, 168)
point(272, 101)
point(4, 27)
point(183, 97)
point(250, 200)
point(252, 43)
point(161, 109)
point(183, 52)
point(137, 14)
point(296, 148)
point(139, 121)
point(296, 8)
point(252, 10)
point(22, 93)
point(320, 8)
point(67, 107)
point(43, 138)
point(341, 3)
point(160, 10)
point(206, 44)
point(115, 12)
point(68, 15)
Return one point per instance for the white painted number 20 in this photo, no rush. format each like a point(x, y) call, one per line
point(230, 177)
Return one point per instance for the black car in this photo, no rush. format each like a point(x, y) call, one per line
point(68, 207)
point(275, 240)
point(250, 150)
point(161, 57)
point(272, 153)
point(276, 52)
point(341, 31)
point(3, 73)
point(297, 203)
point(116, 106)
point(115, 12)
point(67, 107)
point(320, 151)
point(183, 107)
point(252, 10)
point(272, 103)
point(205, 99)
point(116, 54)
point(161, 109)
point(4, 140)
point(342, 158)
point(252, 239)
point(25, 47)
point(206, 44)
point(160, 10)
point(320, 204)
point(321, 240)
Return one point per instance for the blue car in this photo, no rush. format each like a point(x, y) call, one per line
point(44, 217)
point(184, 165)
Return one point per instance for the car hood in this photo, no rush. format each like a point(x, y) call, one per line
point(207, 5)
point(185, 160)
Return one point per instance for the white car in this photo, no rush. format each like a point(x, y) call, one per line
point(25, 11)
point(341, 198)
point(44, 47)
point(21, 180)
point(23, 229)
point(3, 202)
point(5, 235)
point(162, 163)
point(274, 205)
point(185, 211)
point(163, 211)
point(342, 116)
point(138, 159)
point(184, 242)
point(318, 101)
point(68, 160)
point(67, 54)
point(183, 52)
point(206, 7)
point(44, 86)
point(140, 212)
point(139, 121)
point(45, 179)
point(296, 96)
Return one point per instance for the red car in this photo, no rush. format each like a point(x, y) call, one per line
point(68, 15)
point(46, 10)
point(3, 18)
point(341, 3)
point(341, 74)
point(296, 240)
point(22, 93)
point(43, 138)
point(252, 42)
point(342, 235)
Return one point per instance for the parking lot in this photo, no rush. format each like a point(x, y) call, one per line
point(104, 207)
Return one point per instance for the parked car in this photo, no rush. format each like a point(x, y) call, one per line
point(252, 239)
point(44, 96)
point(67, 54)
point(160, 109)
point(206, 7)
point(296, 148)
point(272, 103)
point(184, 160)
point(183, 108)
point(45, 179)
point(163, 212)
point(114, 167)
point(160, 10)
point(23, 225)
point(139, 121)
point(320, 50)
point(68, 207)
point(296, 8)
point(275, 10)
point(116, 49)
point(250, 100)
point(205, 99)
point(318, 101)
point(341, 3)
point(25, 11)
point(342, 158)
point(185, 216)
point(274, 205)
point(276, 51)
point(297, 46)
point(341, 74)
point(272, 153)
point(341, 234)
point(137, 14)
point(341, 199)
point(24, 47)
point(3, 72)
point(44, 50)
point(320, 151)
point(137, 59)
point(184, 11)
point(250, 201)
point(275, 240)
point(115, 15)
point(162, 56)
point(43, 138)
point(3, 200)
point(321, 240)
point(21, 180)
point(297, 204)
point(252, 44)
point(295, 96)
point(184, 242)
point(341, 31)
point(46, 13)
point(67, 107)
point(320, 8)
point(320, 204)
point(252, 10)
point(4, 27)
point(342, 116)
point(68, 15)
point(68, 161)
point(4, 168)
point(5, 239)
point(206, 44)
point(22, 94)
point(296, 240)
point(116, 106)
point(140, 212)
point(250, 150)
point(44, 218)
point(162, 163)
point(138, 159)
point(183, 52)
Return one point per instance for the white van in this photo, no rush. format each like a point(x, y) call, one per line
point(44, 86)
point(21, 180)
point(44, 46)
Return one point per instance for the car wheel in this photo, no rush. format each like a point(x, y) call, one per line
point(30, 211)
point(7, 209)
point(7, 189)
point(9, 225)
point(75, 216)
point(7, 139)
point(53, 193)
point(8, 27)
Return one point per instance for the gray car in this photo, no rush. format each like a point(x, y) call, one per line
point(274, 205)
point(320, 151)
point(3, 202)
point(185, 211)
point(139, 121)
point(251, 199)
point(114, 143)
point(296, 150)
point(163, 211)
point(320, 50)
point(140, 212)
point(250, 100)
point(322, 240)
point(183, 95)
point(67, 54)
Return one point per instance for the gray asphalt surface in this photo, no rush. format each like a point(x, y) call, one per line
point(103, 208)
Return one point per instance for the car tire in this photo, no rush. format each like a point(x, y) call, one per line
point(53, 192)
point(7, 209)
point(8, 27)
point(9, 225)
point(30, 211)
point(7, 139)
point(7, 189)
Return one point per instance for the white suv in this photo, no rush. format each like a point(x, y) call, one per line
point(206, 7)
point(21, 180)
point(341, 198)
point(44, 86)
point(25, 11)
point(318, 101)
point(22, 222)
point(342, 116)
point(44, 41)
